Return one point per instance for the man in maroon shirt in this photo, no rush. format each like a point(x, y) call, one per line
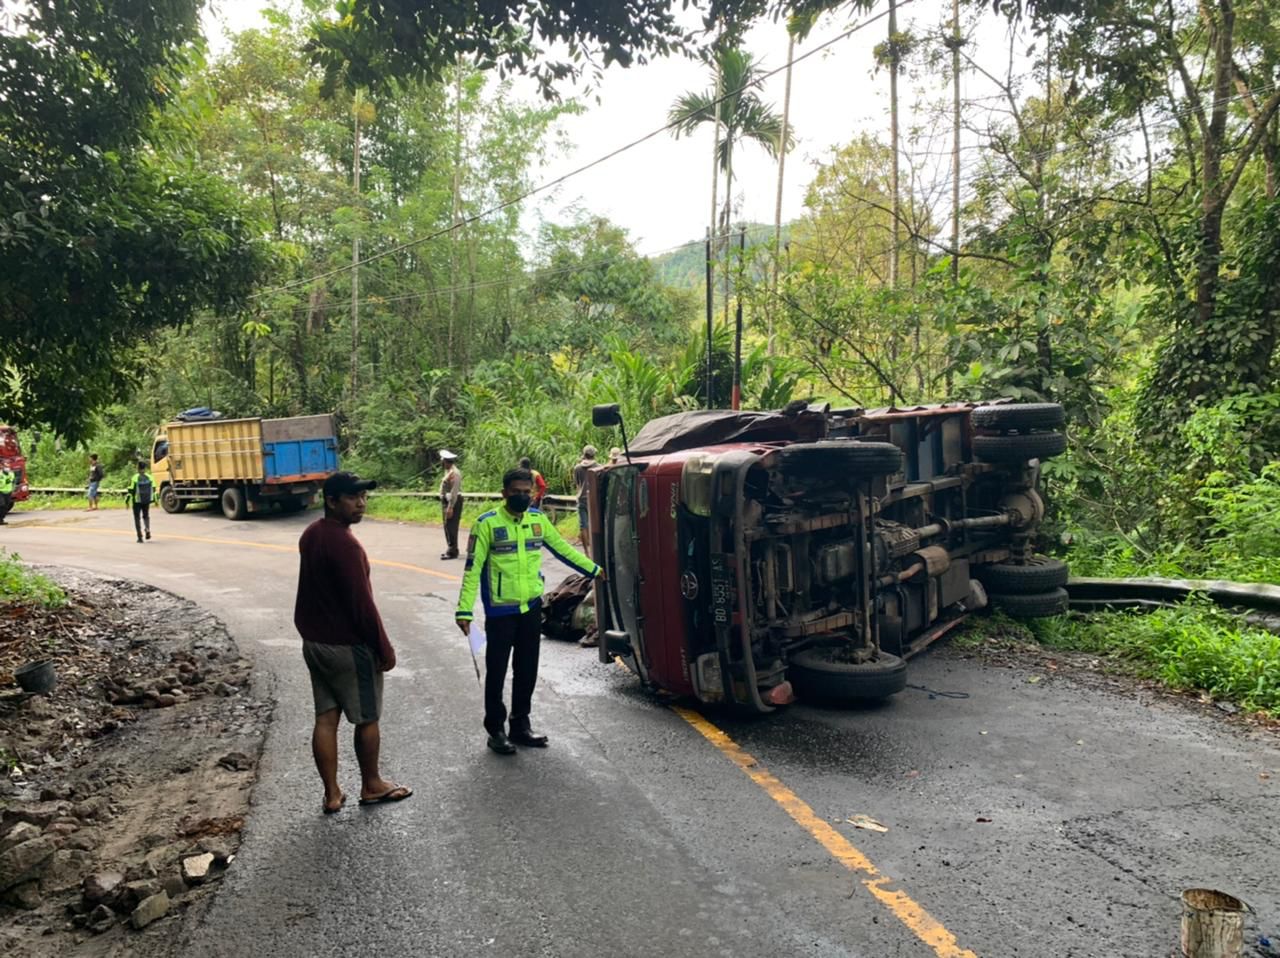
point(343, 642)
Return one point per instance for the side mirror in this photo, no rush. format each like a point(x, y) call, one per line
point(606, 415)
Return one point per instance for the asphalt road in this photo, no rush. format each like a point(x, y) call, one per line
point(1024, 818)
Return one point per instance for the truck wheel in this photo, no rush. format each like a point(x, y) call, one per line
point(1038, 606)
point(1020, 416)
point(233, 505)
point(817, 675)
point(859, 459)
point(170, 502)
point(1039, 574)
point(1020, 448)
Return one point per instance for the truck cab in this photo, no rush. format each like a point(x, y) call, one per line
point(756, 556)
point(11, 456)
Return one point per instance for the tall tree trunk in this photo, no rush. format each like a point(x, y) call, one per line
point(955, 142)
point(895, 237)
point(777, 204)
point(1213, 199)
point(355, 260)
point(456, 211)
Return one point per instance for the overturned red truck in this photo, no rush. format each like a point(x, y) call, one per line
point(754, 555)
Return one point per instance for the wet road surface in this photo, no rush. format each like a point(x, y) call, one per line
point(1023, 818)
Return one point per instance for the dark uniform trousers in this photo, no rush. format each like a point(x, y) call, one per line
point(451, 523)
point(519, 634)
point(142, 517)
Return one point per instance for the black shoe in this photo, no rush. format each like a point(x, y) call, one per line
point(139, 540)
point(501, 744)
point(527, 738)
point(148, 533)
point(448, 555)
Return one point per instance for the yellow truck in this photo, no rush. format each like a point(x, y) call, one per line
point(244, 465)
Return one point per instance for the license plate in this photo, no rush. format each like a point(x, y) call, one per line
point(721, 590)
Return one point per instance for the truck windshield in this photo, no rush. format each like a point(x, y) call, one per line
point(622, 550)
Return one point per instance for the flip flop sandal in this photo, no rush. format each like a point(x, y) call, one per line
point(396, 794)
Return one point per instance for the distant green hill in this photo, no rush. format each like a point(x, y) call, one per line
point(685, 268)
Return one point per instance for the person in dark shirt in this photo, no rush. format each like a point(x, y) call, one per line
point(344, 644)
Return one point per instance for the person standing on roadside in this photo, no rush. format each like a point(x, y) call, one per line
point(139, 494)
point(585, 465)
point(344, 644)
point(504, 563)
point(450, 503)
point(539, 483)
point(95, 479)
point(8, 482)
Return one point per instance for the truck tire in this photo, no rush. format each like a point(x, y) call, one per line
point(860, 459)
point(1039, 574)
point(170, 502)
point(233, 504)
point(1020, 448)
point(816, 675)
point(1021, 416)
point(1038, 606)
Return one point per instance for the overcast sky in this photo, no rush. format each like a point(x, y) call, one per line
point(661, 191)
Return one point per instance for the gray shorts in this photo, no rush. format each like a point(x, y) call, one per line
point(93, 490)
point(345, 677)
point(583, 520)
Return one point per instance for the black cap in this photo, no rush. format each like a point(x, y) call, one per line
point(347, 484)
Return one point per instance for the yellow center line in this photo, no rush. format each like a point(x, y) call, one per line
point(271, 547)
point(923, 925)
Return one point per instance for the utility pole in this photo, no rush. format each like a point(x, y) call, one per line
point(710, 323)
point(355, 258)
point(777, 203)
point(736, 402)
point(715, 182)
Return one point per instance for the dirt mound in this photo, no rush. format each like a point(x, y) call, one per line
point(122, 790)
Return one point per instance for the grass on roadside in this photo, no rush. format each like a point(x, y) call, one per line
point(20, 584)
point(427, 512)
point(67, 501)
point(1193, 646)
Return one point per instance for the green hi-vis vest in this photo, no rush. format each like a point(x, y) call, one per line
point(504, 561)
point(8, 481)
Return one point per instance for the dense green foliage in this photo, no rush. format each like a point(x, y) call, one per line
point(108, 232)
point(20, 584)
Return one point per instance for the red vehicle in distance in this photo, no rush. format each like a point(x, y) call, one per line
point(11, 456)
point(754, 555)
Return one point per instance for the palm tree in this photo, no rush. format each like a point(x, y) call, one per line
point(742, 115)
point(738, 113)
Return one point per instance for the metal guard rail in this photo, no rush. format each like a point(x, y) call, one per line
point(1094, 594)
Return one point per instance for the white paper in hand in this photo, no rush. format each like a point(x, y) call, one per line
point(476, 638)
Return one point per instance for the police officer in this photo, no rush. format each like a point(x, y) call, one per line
point(8, 482)
point(504, 559)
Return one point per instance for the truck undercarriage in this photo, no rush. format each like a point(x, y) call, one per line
point(820, 566)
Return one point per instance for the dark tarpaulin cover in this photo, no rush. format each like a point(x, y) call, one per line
point(711, 427)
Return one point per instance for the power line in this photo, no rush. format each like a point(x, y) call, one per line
point(532, 275)
point(543, 187)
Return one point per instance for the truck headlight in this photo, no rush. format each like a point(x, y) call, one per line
point(695, 483)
